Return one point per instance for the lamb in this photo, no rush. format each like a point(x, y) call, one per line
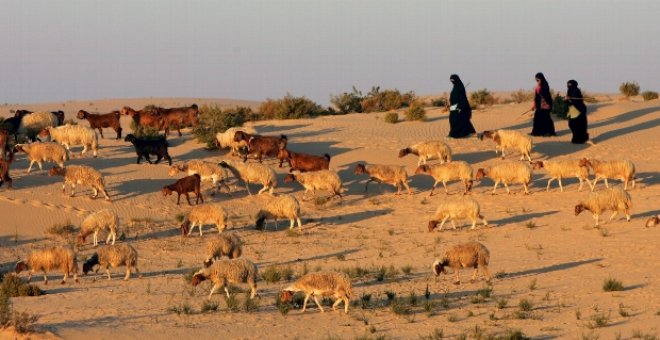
point(228, 271)
point(184, 186)
point(391, 174)
point(457, 209)
point(206, 170)
point(623, 170)
point(653, 221)
point(507, 172)
point(95, 222)
point(317, 180)
point(615, 199)
point(252, 173)
point(100, 121)
point(442, 173)
point(33, 123)
point(4, 171)
point(284, 206)
point(564, 168)
point(41, 152)
point(50, 259)
point(509, 139)
point(261, 145)
point(113, 256)
point(226, 244)
point(335, 284)
point(428, 150)
point(465, 255)
point(205, 213)
point(81, 174)
point(146, 147)
point(226, 139)
point(71, 135)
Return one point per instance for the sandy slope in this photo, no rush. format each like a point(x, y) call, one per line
point(559, 265)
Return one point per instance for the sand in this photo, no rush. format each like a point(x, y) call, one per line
point(540, 251)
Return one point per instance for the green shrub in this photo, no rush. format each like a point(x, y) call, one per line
point(392, 117)
point(13, 286)
point(649, 95)
point(386, 100)
point(612, 285)
point(271, 274)
point(629, 89)
point(522, 96)
point(482, 97)
point(145, 132)
point(212, 119)
point(416, 112)
point(440, 102)
point(290, 107)
point(560, 107)
point(348, 102)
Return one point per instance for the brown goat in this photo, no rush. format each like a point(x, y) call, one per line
point(144, 117)
point(4, 143)
point(304, 162)
point(4, 171)
point(184, 186)
point(261, 145)
point(177, 117)
point(100, 121)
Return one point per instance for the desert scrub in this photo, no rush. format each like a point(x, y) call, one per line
point(209, 306)
point(385, 100)
point(392, 117)
point(525, 305)
point(212, 119)
point(482, 97)
point(182, 308)
point(271, 274)
point(612, 285)
point(290, 107)
point(522, 96)
point(416, 112)
point(649, 95)
point(144, 132)
point(13, 286)
point(629, 89)
point(348, 102)
point(63, 230)
point(560, 107)
point(440, 102)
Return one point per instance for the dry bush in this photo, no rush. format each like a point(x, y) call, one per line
point(522, 96)
point(212, 119)
point(629, 89)
point(416, 112)
point(348, 102)
point(290, 107)
point(649, 95)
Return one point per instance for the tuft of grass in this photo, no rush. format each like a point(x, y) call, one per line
point(513, 334)
point(501, 303)
point(452, 318)
point(500, 275)
point(407, 269)
point(429, 307)
point(63, 230)
point(391, 232)
point(412, 298)
point(531, 225)
point(532, 285)
point(341, 257)
point(14, 286)
point(180, 217)
point(391, 117)
point(604, 232)
point(485, 292)
point(437, 334)
point(416, 112)
point(250, 305)
point(232, 302)
point(287, 273)
point(183, 308)
point(365, 301)
point(400, 308)
point(209, 306)
point(271, 274)
point(599, 320)
point(525, 305)
point(390, 296)
point(622, 311)
point(612, 285)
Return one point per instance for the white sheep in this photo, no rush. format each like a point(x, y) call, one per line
point(457, 209)
point(50, 259)
point(564, 168)
point(442, 173)
point(283, 206)
point(507, 173)
point(205, 214)
point(622, 169)
point(42, 152)
point(95, 222)
point(615, 199)
point(81, 174)
point(390, 174)
point(317, 180)
point(653, 221)
point(72, 135)
point(226, 271)
point(428, 150)
point(226, 244)
point(509, 139)
point(226, 139)
point(35, 122)
point(466, 255)
point(335, 284)
point(206, 170)
point(113, 256)
point(252, 173)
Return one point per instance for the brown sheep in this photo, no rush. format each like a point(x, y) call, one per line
point(100, 121)
point(184, 186)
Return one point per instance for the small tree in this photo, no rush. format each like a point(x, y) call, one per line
point(482, 97)
point(560, 107)
point(290, 107)
point(348, 102)
point(212, 119)
point(416, 112)
point(649, 95)
point(629, 89)
point(522, 96)
point(392, 117)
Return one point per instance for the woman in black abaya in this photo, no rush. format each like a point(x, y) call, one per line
point(543, 125)
point(460, 112)
point(577, 124)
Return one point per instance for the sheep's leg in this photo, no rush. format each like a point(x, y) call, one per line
point(497, 182)
point(405, 184)
point(444, 184)
point(262, 190)
point(486, 273)
point(612, 217)
point(73, 189)
point(507, 188)
point(433, 187)
point(398, 188)
point(292, 224)
point(606, 184)
point(66, 276)
point(474, 274)
point(457, 272)
point(526, 186)
point(107, 271)
point(547, 188)
point(299, 224)
point(83, 150)
point(337, 302)
point(227, 291)
point(305, 302)
point(200, 229)
point(96, 240)
point(95, 193)
point(627, 212)
point(64, 188)
point(443, 222)
point(40, 165)
point(474, 223)
point(318, 303)
point(30, 167)
point(561, 188)
point(128, 273)
point(247, 187)
point(188, 198)
point(483, 220)
point(101, 133)
point(192, 227)
point(528, 158)
point(596, 218)
point(366, 186)
point(213, 289)
point(453, 225)
point(30, 277)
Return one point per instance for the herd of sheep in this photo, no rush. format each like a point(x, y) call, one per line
point(312, 172)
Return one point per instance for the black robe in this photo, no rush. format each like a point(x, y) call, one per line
point(543, 124)
point(578, 125)
point(459, 120)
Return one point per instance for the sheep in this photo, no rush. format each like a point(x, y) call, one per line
point(146, 147)
point(60, 117)
point(428, 150)
point(81, 174)
point(509, 139)
point(33, 123)
point(226, 244)
point(113, 256)
point(41, 152)
point(653, 221)
point(317, 180)
point(95, 222)
point(615, 199)
point(184, 186)
point(252, 173)
point(457, 209)
point(100, 121)
point(50, 259)
point(206, 170)
point(623, 170)
point(284, 206)
point(442, 173)
point(4, 171)
point(564, 168)
point(507, 172)
point(226, 139)
point(335, 284)
point(391, 174)
point(261, 145)
point(228, 271)
point(71, 135)
point(205, 213)
point(465, 255)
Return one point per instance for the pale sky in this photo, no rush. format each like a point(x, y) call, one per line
point(87, 49)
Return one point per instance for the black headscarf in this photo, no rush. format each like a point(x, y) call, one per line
point(576, 96)
point(458, 95)
point(545, 92)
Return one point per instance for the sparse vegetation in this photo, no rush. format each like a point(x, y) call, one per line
point(271, 274)
point(598, 321)
point(612, 285)
point(386, 100)
point(560, 107)
point(525, 305)
point(63, 230)
point(649, 95)
point(213, 119)
point(392, 117)
point(209, 306)
point(416, 112)
point(182, 308)
point(482, 97)
point(290, 107)
point(348, 102)
point(522, 96)
point(629, 89)
point(13, 286)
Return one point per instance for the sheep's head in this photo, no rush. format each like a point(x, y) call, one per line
point(439, 266)
point(261, 218)
point(130, 138)
point(21, 113)
point(20, 266)
point(422, 169)
point(90, 263)
point(404, 152)
point(537, 165)
point(481, 173)
point(185, 227)
point(18, 148)
point(82, 114)
point(286, 296)
point(360, 169)
point(127, 111)
point(197, 279)
point(432, 225)
point(289, 178)
point(653, 221)
point(486, 134)
point(580, 208)
point(585, 162)
point(469, 186)
point(56, 170)
point(166, 191)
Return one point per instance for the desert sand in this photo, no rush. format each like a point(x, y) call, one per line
point(539, 250)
